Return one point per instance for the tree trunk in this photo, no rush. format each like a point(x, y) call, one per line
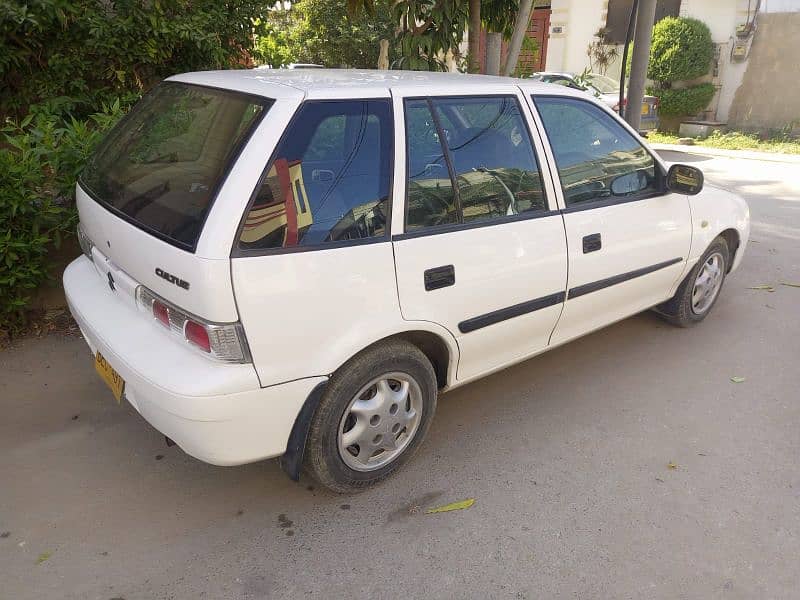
point(383, 55)
point(520, 30)
point(474, 37)
point(641, 55)
point(494, 47)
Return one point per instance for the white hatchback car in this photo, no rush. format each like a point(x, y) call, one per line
point(294, 263)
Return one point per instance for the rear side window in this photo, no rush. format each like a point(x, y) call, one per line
point(469, 159)
point(329, 178)
point(596, 157)
point(161, 166)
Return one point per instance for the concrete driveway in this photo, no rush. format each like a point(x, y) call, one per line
point(566, 456)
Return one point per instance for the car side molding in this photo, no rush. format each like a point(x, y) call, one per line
point(595, 286)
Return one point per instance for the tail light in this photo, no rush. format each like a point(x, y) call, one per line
point(624, 104)
point(85, 242)
point(222, 341)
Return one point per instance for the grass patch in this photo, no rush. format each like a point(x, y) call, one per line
point(734, 140)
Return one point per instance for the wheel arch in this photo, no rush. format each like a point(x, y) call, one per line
point(441, 351)
point(733, 239)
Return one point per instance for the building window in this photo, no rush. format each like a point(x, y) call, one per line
point(619, 12)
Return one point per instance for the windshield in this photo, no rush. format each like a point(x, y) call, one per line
point(161, 166)
point(603, 84)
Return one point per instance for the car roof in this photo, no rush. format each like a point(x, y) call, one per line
point(343, 83)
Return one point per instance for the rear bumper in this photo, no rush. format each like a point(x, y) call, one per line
point(215, 412)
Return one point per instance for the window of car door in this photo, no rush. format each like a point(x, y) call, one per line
point(598, 160)
point(470, 160)
point(328, 180)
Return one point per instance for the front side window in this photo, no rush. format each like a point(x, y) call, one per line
point(596, 157)
point(328, 180)
point(160, 166)
point(469, 159)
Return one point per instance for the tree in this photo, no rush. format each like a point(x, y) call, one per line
point(498, 18)
point(681, 50)
point(80, 54)
point(324, 33)
point(428, 30)
point(521, 21)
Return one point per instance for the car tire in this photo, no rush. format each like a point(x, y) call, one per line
point(700, 290)
point(372, 417)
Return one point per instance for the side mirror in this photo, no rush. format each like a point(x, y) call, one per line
point(684, 179)
point(629, 183)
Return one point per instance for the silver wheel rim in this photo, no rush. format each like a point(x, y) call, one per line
point(707, 283)
point(380, 422)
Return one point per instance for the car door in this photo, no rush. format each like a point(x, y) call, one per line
point(628, 237)
point(481, 250)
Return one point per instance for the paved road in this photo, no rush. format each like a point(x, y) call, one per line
point(566, 455)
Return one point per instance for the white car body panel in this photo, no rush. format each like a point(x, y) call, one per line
point(635, 235)
point(137, 253)
point(306, 312)
point(215, 412)
point(495, 268)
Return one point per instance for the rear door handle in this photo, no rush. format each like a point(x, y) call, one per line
point(440, 277)
point(592, 243)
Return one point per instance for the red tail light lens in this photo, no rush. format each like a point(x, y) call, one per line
point(197, 335)
point(161, 313)
point(221, 341)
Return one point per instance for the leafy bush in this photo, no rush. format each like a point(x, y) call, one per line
point(681, 49)
point(328, 35)
point(78, 54)
point(61, 63)
point(675, 102)
point(324, 32)
point(275, 45)
point(40, 159)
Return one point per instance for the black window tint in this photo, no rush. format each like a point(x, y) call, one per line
point(489, 151)
point(597, 158)
point(161, 165)
point(328, 180)
point(431, 200)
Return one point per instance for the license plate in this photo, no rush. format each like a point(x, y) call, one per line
point(645, 108)
point(109, 375)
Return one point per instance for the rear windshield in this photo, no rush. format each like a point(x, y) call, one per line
point(162, 164)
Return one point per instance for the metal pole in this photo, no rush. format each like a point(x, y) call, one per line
point(628, 36)
point(641, 55)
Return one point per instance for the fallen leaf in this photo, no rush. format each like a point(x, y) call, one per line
point(672, 465)
point(786, 283)
point(738, 379)
point(659, 479)
point(452, 506)
point(43, 557)
point(764, 287)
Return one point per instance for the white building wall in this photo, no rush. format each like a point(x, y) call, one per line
point(579, 20)
point(775, 6)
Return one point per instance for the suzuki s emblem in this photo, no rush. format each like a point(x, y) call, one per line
point(181, 283)
point(111, 281)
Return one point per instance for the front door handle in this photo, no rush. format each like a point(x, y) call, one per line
point(440, 277)
point(592, 243)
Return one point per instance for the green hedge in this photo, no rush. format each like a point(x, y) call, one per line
point(681, 102)
point(681, 49)
point(68, 70)
point(75, 55)
point(40, 160)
